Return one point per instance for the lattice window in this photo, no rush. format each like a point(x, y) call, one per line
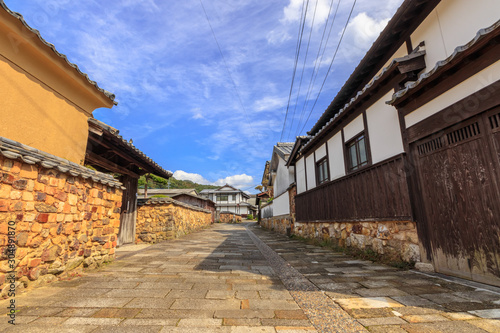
point(430, 146)
point(463, 133)
point(494, 120)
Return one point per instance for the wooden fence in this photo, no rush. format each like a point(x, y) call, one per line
point(379, 192)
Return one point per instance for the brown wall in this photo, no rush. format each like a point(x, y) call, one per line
point(168, 220)
point(62, 223)
point(45, 103)
point(229, 218)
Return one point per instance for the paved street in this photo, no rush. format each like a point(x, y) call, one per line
point(240, 278)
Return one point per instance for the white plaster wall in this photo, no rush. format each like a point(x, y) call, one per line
point(267, 211)
point(301, 176)
point(282, 180)
point(384, 130)
point(281, 205)
point(320, 152)
point(311, 172)
point(477, 82)
point(453, 23)
point(353, 128)
point(401, 52)
point(336, 156)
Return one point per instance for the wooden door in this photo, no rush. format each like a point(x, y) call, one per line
point(128, 218)
point(458, 214)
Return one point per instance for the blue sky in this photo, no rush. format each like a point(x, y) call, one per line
point(209, 119)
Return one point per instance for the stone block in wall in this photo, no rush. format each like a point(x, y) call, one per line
point(50, 210)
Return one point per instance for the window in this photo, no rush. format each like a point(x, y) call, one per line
point(234, 197)
point(357, 155)
point(222, 198)
point(322, 175)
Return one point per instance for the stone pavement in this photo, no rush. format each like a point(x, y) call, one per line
point(240, 278)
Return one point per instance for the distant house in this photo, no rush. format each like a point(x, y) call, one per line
point(229, 199)
point(280, 179)
point(405, 158)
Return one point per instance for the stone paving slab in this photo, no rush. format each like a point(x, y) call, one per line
point(240, 278)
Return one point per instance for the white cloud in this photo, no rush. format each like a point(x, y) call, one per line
point(194, 177)
point(269, 103)
point(238, 181)
point(360, 34)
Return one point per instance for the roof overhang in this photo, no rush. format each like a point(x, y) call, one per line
point(407, 18)
point(23, 35)
point(107, 150)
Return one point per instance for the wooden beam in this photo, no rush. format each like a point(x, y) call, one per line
point(93, 158)
point(116, 150)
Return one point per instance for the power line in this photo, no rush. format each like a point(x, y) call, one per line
point(299, 43)
point(225, 64)
point(317, 64)
point(331, 63)
point(303, 67)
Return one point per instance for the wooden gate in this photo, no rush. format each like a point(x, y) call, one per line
point(128, 217)
point(458, 202)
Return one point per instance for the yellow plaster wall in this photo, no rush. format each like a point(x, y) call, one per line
point(44, 103)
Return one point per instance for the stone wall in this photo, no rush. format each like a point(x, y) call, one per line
point(165, 218)
point(62, 216)
point(229, 217)
point(394, 239)
point(278, 224)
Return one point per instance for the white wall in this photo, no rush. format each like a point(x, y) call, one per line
point(354, 128)
point(301, 176)
point(320, 152)
point(384, 130)
point(281, 205)
point(311, 172)
point(267, 211)
point(477, 82)
point(282, 180)
point(455, 22)
point(336, 156)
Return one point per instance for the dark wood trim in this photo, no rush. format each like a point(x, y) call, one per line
point(321, 160)
point(367, 136)
point(344, 151)
point(108, 165)
point(328, 161)
point(469, 106)
point(464, 66)
point(117, 150)
point(409, 47)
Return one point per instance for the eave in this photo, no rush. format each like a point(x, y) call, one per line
point(407, 18)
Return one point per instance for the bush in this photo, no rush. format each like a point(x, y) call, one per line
point(250, 217)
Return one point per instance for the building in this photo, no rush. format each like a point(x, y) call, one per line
point(229, 199)
point(405, 159)
point(281, 179)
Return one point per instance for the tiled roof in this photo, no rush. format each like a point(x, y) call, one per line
point(458, 50)
point(409, 15)
point(394, 63)
point(53, 48)
point(114, 132)
point(17, 151)
point(166, 191)
point(285, 148)
point(159, 201)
